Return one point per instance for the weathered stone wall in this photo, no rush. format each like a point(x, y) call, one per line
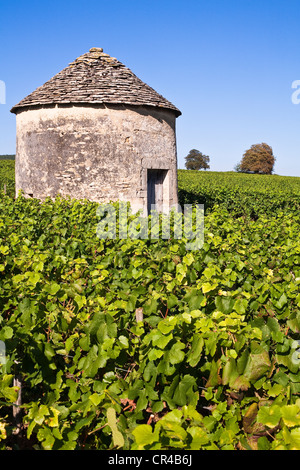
point(100, 153)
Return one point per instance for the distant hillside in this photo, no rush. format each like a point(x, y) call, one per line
point(7, 157)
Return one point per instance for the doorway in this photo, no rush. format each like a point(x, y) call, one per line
point(155, 189)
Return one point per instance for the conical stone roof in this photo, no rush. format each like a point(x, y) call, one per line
point(95, 78)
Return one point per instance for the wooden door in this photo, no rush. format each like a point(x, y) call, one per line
point(155, 180)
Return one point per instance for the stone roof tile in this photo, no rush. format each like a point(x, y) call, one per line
point(95, 77)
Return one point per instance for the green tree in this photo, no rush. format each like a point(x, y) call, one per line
point(195, 160)
point(258, 159)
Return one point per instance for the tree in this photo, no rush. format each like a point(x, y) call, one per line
point(195, 160)
point(258, 159)
point(238, 167)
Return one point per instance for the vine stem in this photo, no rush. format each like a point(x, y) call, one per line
point(98, 429)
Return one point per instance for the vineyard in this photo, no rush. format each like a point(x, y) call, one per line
point(141, 344)
point(244, 194)
point(7, 177)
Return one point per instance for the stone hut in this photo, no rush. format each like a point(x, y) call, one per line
point(96, 131)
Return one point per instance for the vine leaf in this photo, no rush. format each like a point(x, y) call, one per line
point(118, 438)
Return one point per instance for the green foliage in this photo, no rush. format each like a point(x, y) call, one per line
point(213, 364)
point(195, 160)
point(241, 194)
point(7, 175)
point(7, 157)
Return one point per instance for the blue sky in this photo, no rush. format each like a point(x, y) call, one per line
point(228, 65)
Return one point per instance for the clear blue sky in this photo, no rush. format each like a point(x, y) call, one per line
point(228, 65)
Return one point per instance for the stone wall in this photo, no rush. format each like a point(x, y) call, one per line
point(100, 153)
